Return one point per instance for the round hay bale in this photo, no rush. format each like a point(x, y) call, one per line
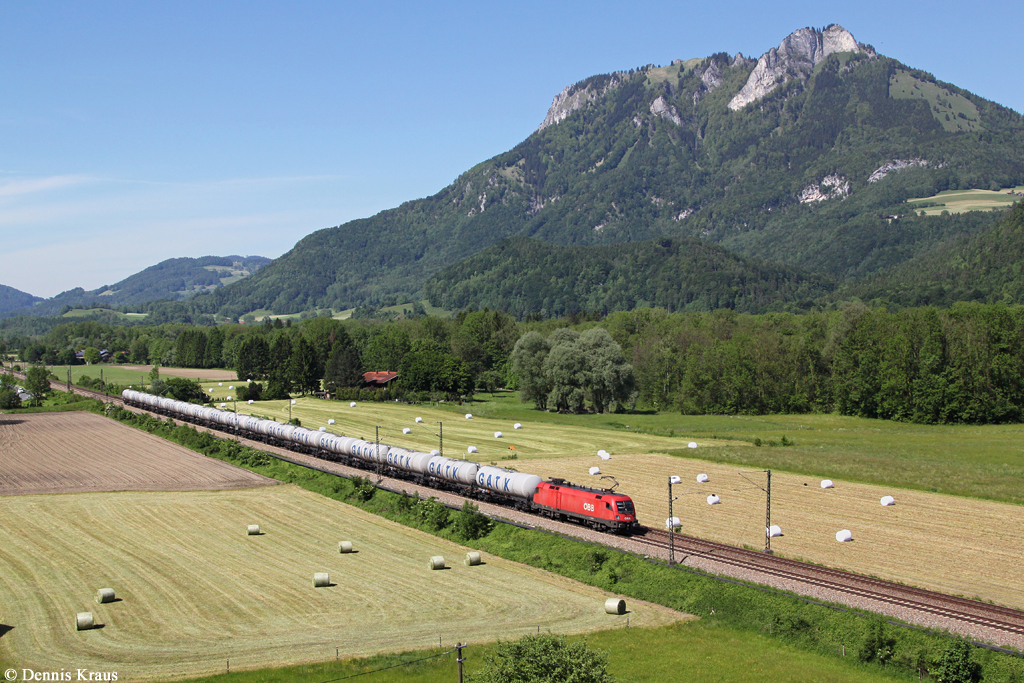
point(230, 387)
point(437, 562)
point(692, 444)
point(714, 500)
point(469, 416)
point(844, 536)
point(252, 530)
point(702, 478)
point(498, 435)
point(827, 484)
point(595, 470)
point(604, 455)
point(211, 391)
point(615, 606)
point(250, 401)
point(345, 547)
point(673, 523)
point(774, 531)
point(406, 430)
point(220, 384)
point(84, 621)
point(352, 404)
point(434, 452)
point(104, 595)
point(419, 419)
point(517, 425)
point(473, 559)
point(887, 501)
point(674, 480)
point(330, 421)
point(323, 429)
point(471, 449)
point(321, 580)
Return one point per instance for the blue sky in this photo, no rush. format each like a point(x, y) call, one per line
point(135, 132)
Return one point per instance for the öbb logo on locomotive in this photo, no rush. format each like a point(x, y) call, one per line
point(602, 509)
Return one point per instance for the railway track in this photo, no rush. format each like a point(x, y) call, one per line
point(996, 617)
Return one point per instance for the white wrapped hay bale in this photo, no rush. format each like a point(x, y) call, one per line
point(827, 484)
point(251, 401)
point(321, 580)
point(220, 384)
point(887, 501)
point(406, 430)
point(84, 621)
point(419, 419)
point(615, 606)
point(473, 559)
point(675, 480)
point(437, 562)
point(330, 421)
point(702, 478)
point(352, 404)
point(517, 425)
point(714, 500)
point(469, 416)
point(673, 523)
point(345, 547)
point(844, 536)
point(252, 530)
point(323, 429)
point(471, 449)
point(435, 452)
point(498, 435)
point(104, 595)
point(774, 531)
point(692, 444)
point(595, 470)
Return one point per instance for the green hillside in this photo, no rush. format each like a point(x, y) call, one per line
point(12, 299)
point(524, 276)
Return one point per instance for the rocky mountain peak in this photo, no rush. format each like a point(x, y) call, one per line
point(796, 56)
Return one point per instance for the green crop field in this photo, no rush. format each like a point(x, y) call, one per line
point(89, 312)
point(134, 374)
point(961, 201)
point(195, 590)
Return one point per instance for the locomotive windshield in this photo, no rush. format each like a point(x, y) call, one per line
point(625, 506)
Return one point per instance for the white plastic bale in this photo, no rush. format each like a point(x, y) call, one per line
point(673, 523)
point(774, 531)
point(827, 484)
point(435, 452)
point(321, 580)
point(702, 478)
point(345, 547)
point(473, 559)
point(498, 435)
point(517, 425)
point(714, 500)
point(406, 430)
point(250, 401)
point(322, 429)
point(471, 449)
point(84, 621)
point(692, 444)
point(419, 419)
point(844, 535)
point(252, 530)
point(230, 387)
point(674, 480)
point(220, 384)
point(352, 404)
point(330, 421)
point(887, 501)
point(437, 562)
point(469, 416)
point(104, 595)
point(615, 606)
point(595, 470)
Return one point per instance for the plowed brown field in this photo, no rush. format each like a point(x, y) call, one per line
point(83, 452)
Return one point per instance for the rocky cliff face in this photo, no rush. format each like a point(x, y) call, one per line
point(574, 97)
point(796, 57)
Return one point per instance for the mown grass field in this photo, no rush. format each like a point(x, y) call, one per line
point(195, 590)
point(979, 461)
point(693, 651)
point(136, 374)
point(961, 201)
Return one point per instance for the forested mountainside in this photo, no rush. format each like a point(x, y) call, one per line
point(798, 159)
point(12, 299)
point(524, 276)
point(176, 278)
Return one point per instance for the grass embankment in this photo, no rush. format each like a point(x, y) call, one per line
point(777, 620)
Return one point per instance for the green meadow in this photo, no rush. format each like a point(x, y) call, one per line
point(961, 201)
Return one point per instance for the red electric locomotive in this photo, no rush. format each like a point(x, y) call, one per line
point(597, 508)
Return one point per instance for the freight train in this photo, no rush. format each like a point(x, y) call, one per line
point(600, 509)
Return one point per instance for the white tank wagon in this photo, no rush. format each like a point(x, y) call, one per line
point(408, 461)
point(458, 471)
point(507, 482)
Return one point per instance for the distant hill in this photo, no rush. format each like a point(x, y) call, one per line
point(522, 276)
point(12, 299)
point(176, 278)
point(988, 267)
point(796, 158)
